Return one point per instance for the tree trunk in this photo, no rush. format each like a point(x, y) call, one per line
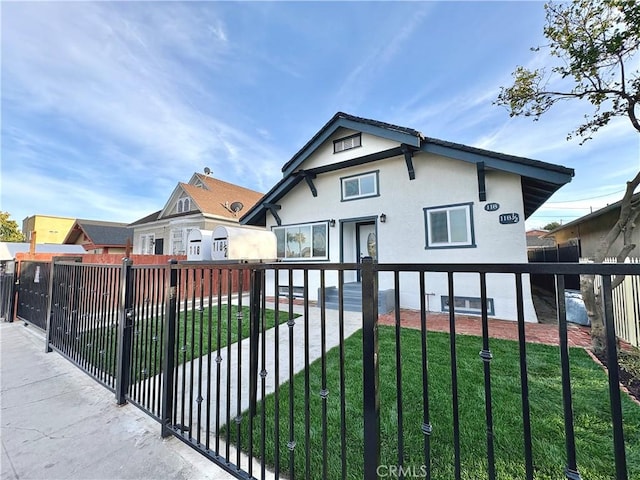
point(594, 313)
point(629, 213)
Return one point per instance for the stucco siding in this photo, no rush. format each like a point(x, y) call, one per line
point(324, 155)
point(401, 238)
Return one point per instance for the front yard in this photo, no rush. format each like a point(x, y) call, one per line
point(594, 442)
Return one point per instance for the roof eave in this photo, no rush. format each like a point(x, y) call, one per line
point(340, 120)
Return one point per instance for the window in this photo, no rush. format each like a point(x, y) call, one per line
point(347, 143)
point(183, 205)
point(360, 186)
point(147, 243)
point(467, 305)
point(179, 240)
point(305, 241)
point(449, 226)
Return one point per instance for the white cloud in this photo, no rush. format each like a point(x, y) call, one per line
point(114, 75)
point(385, 49)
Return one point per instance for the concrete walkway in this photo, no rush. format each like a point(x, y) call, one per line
point(58, 423)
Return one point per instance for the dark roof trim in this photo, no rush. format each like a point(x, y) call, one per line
point(255, 214)
point(364, 125)
point(509, 163)
point(539, 179)
point(152, 217)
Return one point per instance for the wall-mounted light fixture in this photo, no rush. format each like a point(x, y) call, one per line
point(383, 218)
point(332, 223)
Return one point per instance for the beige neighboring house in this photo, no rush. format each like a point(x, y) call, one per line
point(589, 230)
point(204, 202)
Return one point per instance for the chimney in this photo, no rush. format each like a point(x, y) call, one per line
point(32, 243)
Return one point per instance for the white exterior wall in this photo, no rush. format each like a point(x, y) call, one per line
point(324, 153)
point(401, 239)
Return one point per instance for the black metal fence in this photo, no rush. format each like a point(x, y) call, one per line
point(265, 385)
point(568, 252)
point(7, 290)
point(33, 292)
point(84, 317)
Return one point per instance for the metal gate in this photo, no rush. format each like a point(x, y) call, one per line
point(33, 292)
point(7, 291)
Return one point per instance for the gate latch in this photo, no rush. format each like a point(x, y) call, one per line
point(128, 318)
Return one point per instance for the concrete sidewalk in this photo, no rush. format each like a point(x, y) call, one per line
point(58, 423)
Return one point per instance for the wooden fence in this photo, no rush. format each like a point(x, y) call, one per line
point(626, 304)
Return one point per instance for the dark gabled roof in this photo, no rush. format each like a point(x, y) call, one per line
point(152, 217)
point(592, 215)
point(344, 120)
point(539, 179)
point(100, 233)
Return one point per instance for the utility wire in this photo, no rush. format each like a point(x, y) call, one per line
point(589, 198)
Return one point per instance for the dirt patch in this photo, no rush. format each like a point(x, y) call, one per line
point(544, 302)
point(628, 371)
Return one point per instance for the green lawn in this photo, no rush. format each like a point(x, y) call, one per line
point(591, 412)
point(197, 335)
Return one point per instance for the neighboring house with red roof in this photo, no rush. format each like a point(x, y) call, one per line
point(204, 203)
point(99, 237)
point(536, 239)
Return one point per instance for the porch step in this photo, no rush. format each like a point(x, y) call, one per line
point(352, 298)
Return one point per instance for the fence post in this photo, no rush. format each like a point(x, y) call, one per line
point(614, 380)
point(371, 393)
point(14, 291)
point(125, 326)
point(169, 347)
point(47, 347)
point(254, 333)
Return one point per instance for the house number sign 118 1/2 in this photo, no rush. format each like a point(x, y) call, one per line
point(507, 218)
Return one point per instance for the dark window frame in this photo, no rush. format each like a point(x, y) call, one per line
point(324, 258)
point(342, 139)
point(491, 309)
point(376, 175)
point(471, 229)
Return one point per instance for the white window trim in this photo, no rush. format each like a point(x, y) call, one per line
point(468, 207)
point(183, 205)
point(147, 243)
point(300, 225)
point(175, 231)
point(375, 193)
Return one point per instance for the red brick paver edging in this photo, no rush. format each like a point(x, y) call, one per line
point(578, 336)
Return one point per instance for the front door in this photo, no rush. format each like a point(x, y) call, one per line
point(159, 246)
point(366, 242)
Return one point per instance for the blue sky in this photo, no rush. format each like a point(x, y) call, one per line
point(107, 106)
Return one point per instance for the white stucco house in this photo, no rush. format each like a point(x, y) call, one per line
point(203, 203)
point(362, 187)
